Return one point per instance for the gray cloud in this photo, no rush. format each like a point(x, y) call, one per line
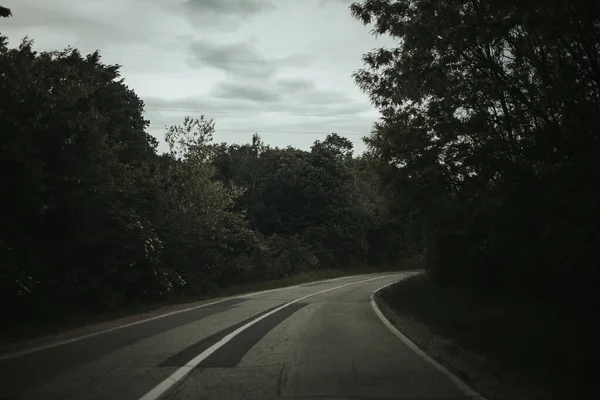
point(92, 25)
point(246, 91)
point(194, 57)
point(284, 91)
point(296, 84)
point(229, 7)
point(226, 14)
point(303, 93)
point(298, 98)
point(338, 2)
point(42, 16)
point(217, 108)
point(110, 22)
point(240, 58)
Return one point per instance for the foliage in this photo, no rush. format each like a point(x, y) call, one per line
point(71, 132)
point(95, 219)
point(323, 197)
point(505, 346)
point(204, 236)
point(490, 112)
point(5, 12)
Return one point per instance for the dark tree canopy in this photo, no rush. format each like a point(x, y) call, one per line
point(95, 217)
point(489, 135)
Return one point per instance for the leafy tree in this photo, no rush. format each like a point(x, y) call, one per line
point(71, 134)
point(204, 236)
point(324, 197)
point(5, 12)
point(489, 117)
point(95, 219)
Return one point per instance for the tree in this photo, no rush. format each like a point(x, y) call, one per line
point(5, 12)
point(323, 197)
point(95, 219)
point(489, 117)
point(75, 227)
point(205, 239)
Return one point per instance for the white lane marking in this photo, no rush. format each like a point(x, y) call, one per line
point(468, 391)
point(299, 285)
point(182, 372)
point(103, 331)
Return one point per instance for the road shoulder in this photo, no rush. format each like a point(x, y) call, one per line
point(470, 367)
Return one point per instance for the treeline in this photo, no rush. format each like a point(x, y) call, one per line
point(94, 218)
point(485, 159)
point(490, 140)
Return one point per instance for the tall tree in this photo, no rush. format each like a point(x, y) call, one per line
point(72, 134)
point(204, 238)
point(489, 117)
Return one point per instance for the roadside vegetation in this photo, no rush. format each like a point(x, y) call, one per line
point(507, 348)
point(95, 220)
point(71, 321)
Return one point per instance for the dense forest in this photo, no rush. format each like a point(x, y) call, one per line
point(489, 139)
point(484, 160)
point(94, 216)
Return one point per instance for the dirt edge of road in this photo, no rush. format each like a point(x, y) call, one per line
point(471, 367)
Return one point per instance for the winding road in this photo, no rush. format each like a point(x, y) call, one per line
point(320, 340)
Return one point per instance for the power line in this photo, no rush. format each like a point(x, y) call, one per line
point(260, 111)
point(277, 131)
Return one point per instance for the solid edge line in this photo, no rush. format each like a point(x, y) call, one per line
point(182, 372)
point(466, 389)
point(31, 350)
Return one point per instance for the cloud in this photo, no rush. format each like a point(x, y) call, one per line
point(289, 94)
point(297, 98)
point(346, 3)
point(91, 25)
point(196, 106)
point(241, 59)
point(238, 58)
point(224, 13)
point(249, 64)
point(58, 17)
point(229, 7)
point(304, 94)
point(246, 91)
point(285, 91)
point(295, 85)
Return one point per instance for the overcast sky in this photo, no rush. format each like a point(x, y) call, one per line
point(281, 68)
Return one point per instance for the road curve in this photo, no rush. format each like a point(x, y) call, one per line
point(314, 341)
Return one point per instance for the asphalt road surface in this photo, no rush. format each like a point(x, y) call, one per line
point(314, 341)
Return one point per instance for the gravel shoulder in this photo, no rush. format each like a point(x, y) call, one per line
point(456, 338)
